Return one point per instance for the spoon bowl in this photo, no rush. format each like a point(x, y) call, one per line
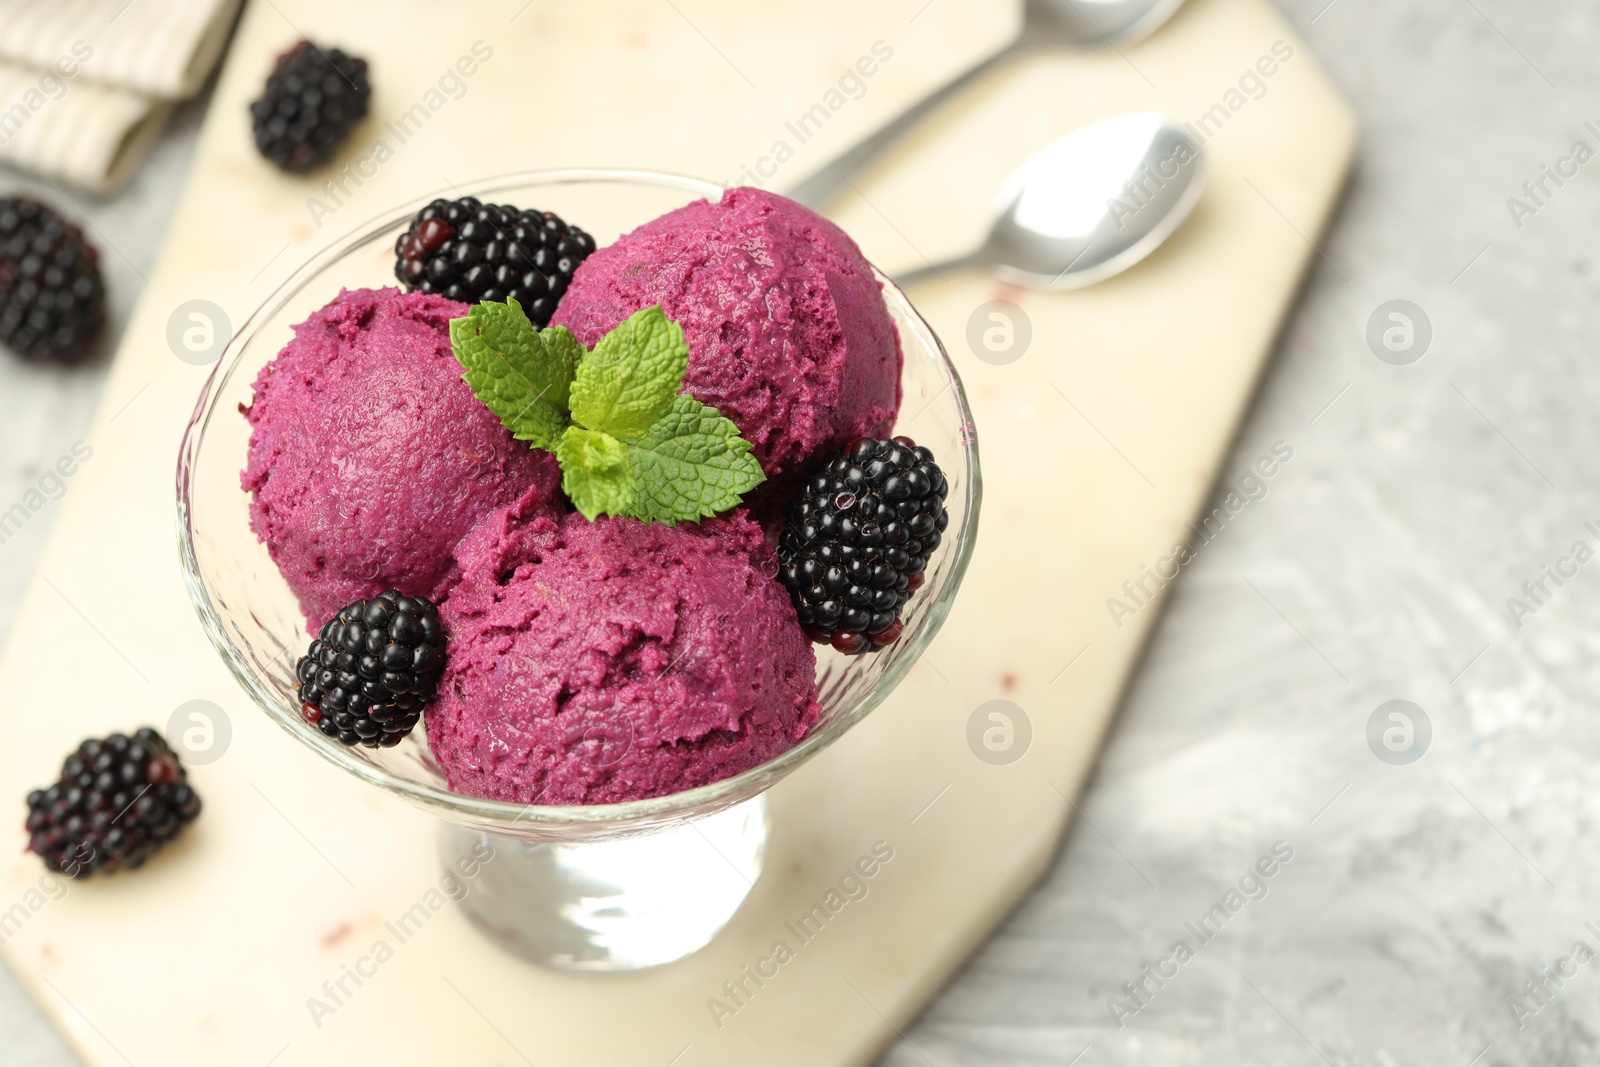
point(1089, 205)
point(1086, 23)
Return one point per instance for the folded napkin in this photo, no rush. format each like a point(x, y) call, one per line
point(75, 131)
point(86, 85)
point(160, 48)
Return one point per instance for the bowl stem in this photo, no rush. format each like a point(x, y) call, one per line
point(619, 905)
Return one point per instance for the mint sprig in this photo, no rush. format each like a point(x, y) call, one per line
point(629, 443)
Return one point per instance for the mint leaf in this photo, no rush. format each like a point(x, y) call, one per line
point(690, 464)
point(511, 370)
point(566, 353)
point(595, 472)
point(631, 377)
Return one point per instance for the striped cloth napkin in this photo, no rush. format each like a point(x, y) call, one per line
point(87, 85)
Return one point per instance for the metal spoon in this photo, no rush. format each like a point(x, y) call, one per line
point(1089, 205)
point(1045, 24)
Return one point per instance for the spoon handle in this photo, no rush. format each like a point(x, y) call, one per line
point(814, 192)
point(917, 275)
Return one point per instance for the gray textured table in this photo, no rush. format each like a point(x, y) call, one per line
point(1418, 897)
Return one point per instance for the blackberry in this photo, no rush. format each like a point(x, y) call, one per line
point(371, 670)
point(313, 99)
point(471, 251)
point(52, 298)
point(855, 546)
point(119, 800)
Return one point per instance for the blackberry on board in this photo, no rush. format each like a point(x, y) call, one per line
point(313, 99)
point(52, 296)
point(372, 669)
point(470, 251)
point(118, 801)
point(856, 544)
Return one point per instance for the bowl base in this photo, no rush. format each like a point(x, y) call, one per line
point(621, 905)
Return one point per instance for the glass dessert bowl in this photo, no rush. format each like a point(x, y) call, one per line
point(599, 887)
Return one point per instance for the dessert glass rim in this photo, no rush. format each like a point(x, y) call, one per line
point(454, 805)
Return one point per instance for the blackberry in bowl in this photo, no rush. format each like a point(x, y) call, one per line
point(856, 545)
point(469, 251)
point(373, 666)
